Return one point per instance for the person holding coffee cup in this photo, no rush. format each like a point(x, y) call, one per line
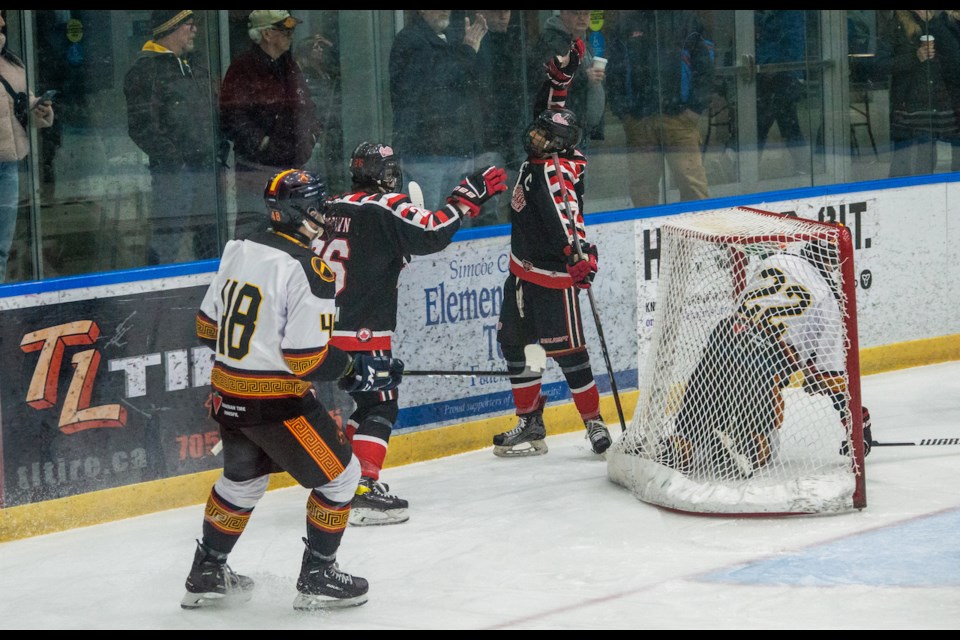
point(921, 109)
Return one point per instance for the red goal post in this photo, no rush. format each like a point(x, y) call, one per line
point(750, 398)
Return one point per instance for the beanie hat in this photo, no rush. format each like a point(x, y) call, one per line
point(163, 21)
point(269, 17)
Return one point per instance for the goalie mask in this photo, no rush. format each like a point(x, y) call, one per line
point(553, 131)
point(822, 254)
point(294, 198)
point(376, 166)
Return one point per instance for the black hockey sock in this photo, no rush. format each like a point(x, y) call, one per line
point(326, 522)
point(223, 523)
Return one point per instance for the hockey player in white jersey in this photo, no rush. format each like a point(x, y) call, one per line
point(778, 329)
point(269, 316)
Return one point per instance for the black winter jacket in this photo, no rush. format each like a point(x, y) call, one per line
point(434, 94)
point(170, 110)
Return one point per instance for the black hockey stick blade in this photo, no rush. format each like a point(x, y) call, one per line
point(923, 442)
point(534, 355)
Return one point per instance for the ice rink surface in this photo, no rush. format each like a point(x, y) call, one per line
point(550, 543)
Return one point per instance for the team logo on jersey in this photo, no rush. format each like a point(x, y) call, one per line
point(325, 272)
point(217, 401)
point(364, 335)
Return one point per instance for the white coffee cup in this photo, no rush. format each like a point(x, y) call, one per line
point(600, 63)
point(926, 39)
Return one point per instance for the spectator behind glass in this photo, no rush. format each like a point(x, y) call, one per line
point(170, 117)
point(947, 26)
point(14, 143)
point(921, 111)
point(586, 96)
point(267, 112)
point(434, 95)
point(502, 111)
point(319, 58)
point(781, 38)
point(660, 79)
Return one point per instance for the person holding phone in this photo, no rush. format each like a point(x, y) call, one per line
point(46, 98)
point(14, 141)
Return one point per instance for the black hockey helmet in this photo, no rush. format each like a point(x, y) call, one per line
point(553, 131)
point(825, 256)
point(376, 166)
point(293, 197)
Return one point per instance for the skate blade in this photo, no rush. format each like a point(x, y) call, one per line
point(371, 517)
point(536, 448)
point(306, 602)
point(214, 599)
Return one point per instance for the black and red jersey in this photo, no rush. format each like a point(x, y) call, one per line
point(539, 222)
point(375, 234)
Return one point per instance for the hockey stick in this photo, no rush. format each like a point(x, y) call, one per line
point(593, 304)
point(922, 443)
point(416, 194)
point(536, 362)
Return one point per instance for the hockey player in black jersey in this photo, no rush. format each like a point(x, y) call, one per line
point(375, 231)
point(540, 296)
point(260, 316)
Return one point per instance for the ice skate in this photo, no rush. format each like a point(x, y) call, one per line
point(213, 583)
point(373, 505)
point(525, 439)
point(598, 435)
point(675, 452)
point(323, 586)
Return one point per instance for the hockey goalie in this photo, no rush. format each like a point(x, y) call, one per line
point(732, 410)
point(746, 402)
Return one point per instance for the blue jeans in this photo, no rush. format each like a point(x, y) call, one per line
point(9, 200)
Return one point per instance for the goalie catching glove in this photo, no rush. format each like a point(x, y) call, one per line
point(478, 188)
point(582, 270)
point(371, 373)
point(561, 74)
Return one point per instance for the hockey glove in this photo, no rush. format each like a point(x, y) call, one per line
point(478, 188)
point(582, 271)
point(560, 74)
point(372, 373)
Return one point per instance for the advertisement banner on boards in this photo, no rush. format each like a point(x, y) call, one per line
point(103, 392)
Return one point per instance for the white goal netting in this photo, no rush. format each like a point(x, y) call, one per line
point(752, 372)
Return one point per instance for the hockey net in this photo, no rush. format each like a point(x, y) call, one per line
point(729, 420)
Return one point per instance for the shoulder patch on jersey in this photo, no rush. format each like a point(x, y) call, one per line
point(517, 199)
point(325, 272)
